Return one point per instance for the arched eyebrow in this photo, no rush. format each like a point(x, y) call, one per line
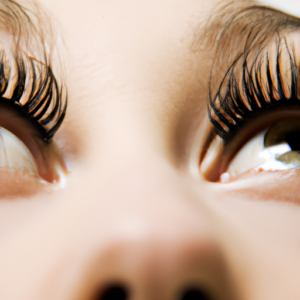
point(31, 71)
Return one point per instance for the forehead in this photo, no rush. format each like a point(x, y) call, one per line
point(135, 30)
point(137, 57)
point(117, 49)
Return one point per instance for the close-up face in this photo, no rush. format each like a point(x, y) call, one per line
point(149, 150)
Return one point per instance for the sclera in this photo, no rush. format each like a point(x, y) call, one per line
point(14, 155)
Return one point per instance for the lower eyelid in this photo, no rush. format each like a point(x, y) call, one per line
point(223, 152)
point(280, 186)
point(16, 184)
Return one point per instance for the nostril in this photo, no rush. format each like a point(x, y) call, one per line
point(114, 292)
point(195, 294)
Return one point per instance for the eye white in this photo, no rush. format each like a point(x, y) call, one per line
point(254, 155)
point(14, 155)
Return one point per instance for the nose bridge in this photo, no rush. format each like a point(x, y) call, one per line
point(143, 235)
point(150, 240)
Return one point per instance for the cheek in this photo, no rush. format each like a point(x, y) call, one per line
point(281, 186)
point(20, 183)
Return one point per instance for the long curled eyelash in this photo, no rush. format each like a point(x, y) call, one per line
point(32, 88)
point(269, 81)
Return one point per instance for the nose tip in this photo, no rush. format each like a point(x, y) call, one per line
point(156, 243)
point(122, 292)
point(173, 278)
point(188, 267)
point(114, 292)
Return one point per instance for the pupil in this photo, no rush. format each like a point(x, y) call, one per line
point(293, 139)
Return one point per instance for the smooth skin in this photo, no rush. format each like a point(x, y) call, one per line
point(135, 211)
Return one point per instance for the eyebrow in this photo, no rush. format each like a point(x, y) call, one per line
point(27, 63)
point(232, 34)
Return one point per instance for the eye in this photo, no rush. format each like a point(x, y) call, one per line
point(32, 108)
point(277, 148)
point(23, 151)
point(23, 172)
point(257, 148)
point(255, 113)
point(14, 155)
point(28, 165)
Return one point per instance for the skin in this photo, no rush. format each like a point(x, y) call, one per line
point(135, 210)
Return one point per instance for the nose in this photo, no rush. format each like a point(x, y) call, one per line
point(153, 242)
point(182, 270)
point(186, 269)
point(132, 235)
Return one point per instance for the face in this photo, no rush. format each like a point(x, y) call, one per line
point(154, 186)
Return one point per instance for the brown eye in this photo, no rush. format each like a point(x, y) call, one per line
point(276, 148)
point(23, 171)
point(23, 151)
point(288, 133)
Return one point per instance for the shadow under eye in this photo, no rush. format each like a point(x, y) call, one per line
point(21, 184)
point(280, 186)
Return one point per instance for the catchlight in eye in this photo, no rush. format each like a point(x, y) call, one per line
point(277, 148)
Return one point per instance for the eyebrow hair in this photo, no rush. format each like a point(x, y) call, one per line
point(237, 35)
point(31, 71)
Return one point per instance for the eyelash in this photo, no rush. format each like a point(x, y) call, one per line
point(37, 96)
point(234, 103)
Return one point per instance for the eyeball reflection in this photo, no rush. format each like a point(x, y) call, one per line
point(14, 155)
point(277, 148)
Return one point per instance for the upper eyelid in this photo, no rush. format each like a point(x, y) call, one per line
point(223, 112)
point(258, 85)
point(28, 37)
point(41, 99)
